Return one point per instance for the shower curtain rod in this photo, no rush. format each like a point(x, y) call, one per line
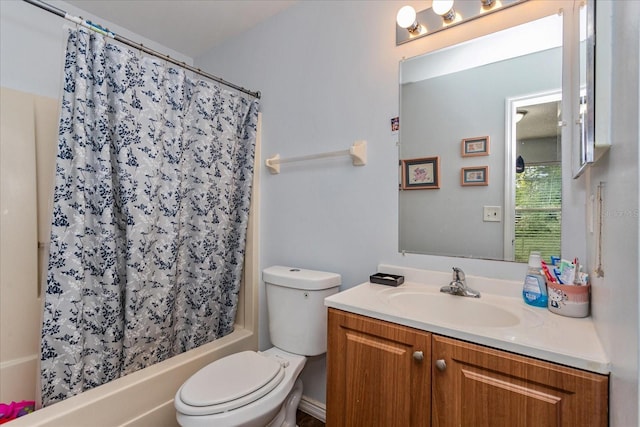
point(105, 31)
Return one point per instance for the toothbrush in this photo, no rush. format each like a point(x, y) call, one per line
point(556, 272)
point(546, 272)
point(576, 277)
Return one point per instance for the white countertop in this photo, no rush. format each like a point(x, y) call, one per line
point(545, 335)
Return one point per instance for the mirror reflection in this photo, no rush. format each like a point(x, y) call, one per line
point(494, 199)
point(537, 195)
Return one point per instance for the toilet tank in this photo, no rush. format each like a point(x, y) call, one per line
point(295, 306)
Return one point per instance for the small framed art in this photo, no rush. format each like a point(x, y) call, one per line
point(478, 146)
point(421, 174)
point(477, 175)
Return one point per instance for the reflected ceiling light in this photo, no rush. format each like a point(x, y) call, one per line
point(487, 3)
point(406, 18)
point(520, 115)
point(445, 9)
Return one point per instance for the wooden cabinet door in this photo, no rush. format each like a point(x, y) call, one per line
point(485, 387)
point(373, 377)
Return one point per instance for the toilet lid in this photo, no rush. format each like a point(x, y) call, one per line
point(231, 382)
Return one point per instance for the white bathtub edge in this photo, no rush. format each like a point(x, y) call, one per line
point(123, 401)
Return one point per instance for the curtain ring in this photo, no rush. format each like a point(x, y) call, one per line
point(140, 54)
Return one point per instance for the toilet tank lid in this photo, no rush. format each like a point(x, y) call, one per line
point(299, 278)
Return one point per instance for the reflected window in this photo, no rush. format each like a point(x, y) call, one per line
point(538, 192)
point(538, 211)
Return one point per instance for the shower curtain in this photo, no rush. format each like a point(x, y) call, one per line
point(151, 203)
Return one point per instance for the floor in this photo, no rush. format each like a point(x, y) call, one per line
point(306, 420)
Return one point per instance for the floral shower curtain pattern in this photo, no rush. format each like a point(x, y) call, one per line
point(151, 203)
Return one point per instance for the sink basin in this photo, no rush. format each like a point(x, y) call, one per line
point(482, 312)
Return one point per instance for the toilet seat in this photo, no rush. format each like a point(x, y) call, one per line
point(230, 382)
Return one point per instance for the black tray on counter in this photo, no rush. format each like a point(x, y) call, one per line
point(386, 279)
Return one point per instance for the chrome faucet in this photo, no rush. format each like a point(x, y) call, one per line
point(458, 286)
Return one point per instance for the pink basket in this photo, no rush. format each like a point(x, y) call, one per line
point(568, 300)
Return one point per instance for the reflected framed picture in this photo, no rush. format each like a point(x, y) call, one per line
point(474, 176)
point(478, 146)
point(420, 174)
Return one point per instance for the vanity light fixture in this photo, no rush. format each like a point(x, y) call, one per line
point(445, 9)
point(406, 18)
point(408, 24)
point(412, 24)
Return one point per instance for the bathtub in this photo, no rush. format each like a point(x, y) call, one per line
point(143, 398)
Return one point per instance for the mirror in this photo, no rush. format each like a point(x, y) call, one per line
point(473, 92)
point(586, 112)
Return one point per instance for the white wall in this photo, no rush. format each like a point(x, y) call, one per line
point(328, 72)
point(615, 296)
point(18, 243)
point(32, 42)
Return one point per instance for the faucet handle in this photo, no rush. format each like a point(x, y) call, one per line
point(458, 274)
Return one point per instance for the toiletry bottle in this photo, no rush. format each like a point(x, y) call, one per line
point(534, 290)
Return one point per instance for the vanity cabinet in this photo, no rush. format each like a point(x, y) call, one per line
point(376, 376)
point(478, 386)
point(378, 373)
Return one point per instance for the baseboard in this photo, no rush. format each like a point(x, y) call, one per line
point(314, 408)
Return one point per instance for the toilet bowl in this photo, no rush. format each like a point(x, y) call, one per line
point(258, 389)
point(243, 389)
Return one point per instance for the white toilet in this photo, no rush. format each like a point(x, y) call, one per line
point(258, 389)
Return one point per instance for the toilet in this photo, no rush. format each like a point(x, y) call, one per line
point(258, 389)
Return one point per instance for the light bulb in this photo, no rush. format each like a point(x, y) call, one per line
point(406, 17)
point(444, 8)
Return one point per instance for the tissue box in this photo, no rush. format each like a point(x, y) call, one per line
point(568, 300)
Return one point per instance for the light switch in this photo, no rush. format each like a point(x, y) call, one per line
point(492, 214)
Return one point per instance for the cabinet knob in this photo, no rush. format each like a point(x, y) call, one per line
point(418, 355)
point(441, 365)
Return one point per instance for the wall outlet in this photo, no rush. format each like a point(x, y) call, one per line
point(492, 214)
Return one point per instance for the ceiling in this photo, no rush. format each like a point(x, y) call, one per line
point(540, 121)
point(191, 27)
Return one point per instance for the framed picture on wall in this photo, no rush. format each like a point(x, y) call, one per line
point(421, 174)
point(478, 146)
point(477, 175)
